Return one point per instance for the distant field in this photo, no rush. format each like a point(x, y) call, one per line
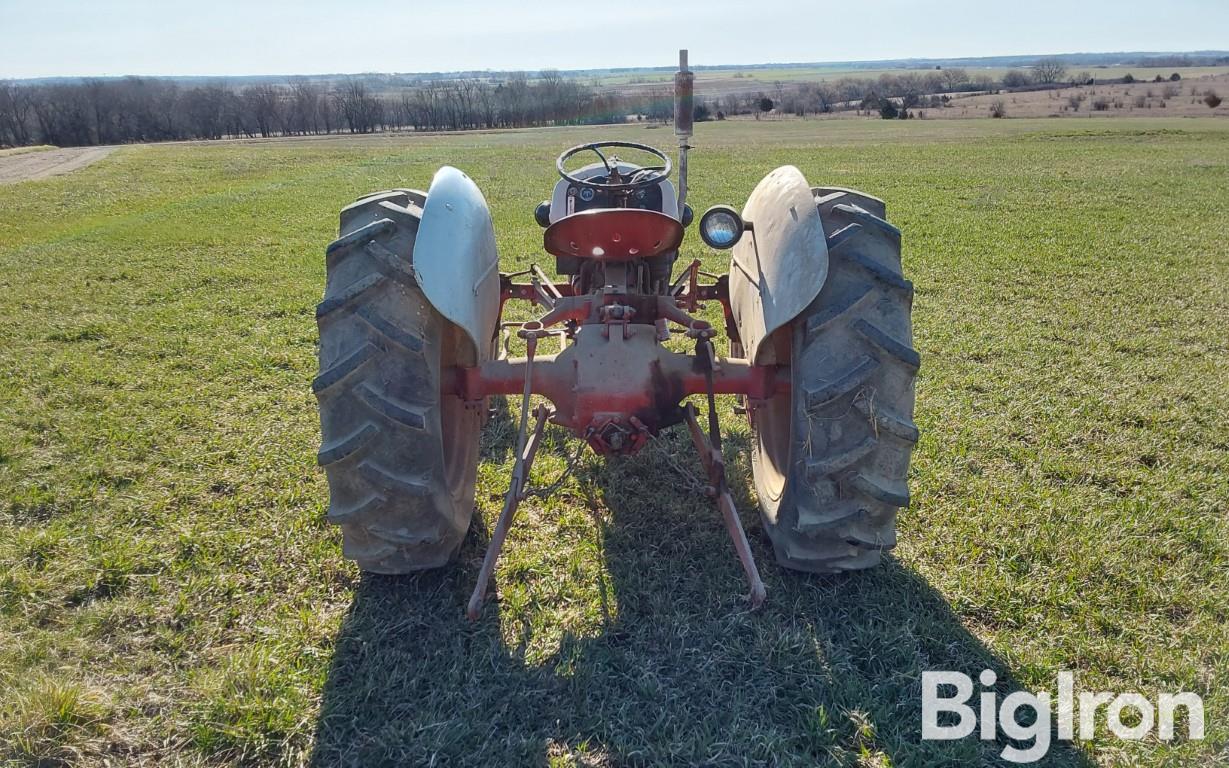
point(171, 595)
point(717, 81)
point(994, 72)
point(1181, 99)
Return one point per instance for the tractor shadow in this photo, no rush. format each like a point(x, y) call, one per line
point(673, 669)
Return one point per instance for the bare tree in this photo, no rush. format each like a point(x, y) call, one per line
point(15, 114)
point(982, 83)
point(514, 100)
point(1049, 71)
point(954, 78)
point(263, 106)
point(486, 104)
point(102, 103)
point(1016, 78)
point(165, 105)
point(430, 100)
point(327, 117)
point(205, 111)
point(303, 112)
point(361, 111)
point(63, 115)
point(910, 87)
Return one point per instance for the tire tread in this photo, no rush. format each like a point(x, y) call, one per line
point(853, 411)
point(383, 435)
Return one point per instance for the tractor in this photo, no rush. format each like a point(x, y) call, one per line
point(816, 311)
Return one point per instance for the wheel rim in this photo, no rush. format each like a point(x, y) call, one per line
point(458, 442)
point(773, 436)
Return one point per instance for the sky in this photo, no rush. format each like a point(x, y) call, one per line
point(42, 38)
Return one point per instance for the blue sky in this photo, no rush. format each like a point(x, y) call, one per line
point(223, 37)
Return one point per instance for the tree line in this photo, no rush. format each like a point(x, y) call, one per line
point(894, 94)
point(137, 109)
point(905, 90)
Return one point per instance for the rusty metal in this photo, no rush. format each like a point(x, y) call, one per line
point(688, 292)
point(554, 376)
point(613, 234)
point(545, 292)
point(714, 465)
point(527, 449)
point(684, 114)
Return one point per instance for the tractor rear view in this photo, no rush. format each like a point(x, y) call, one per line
point(816, 311)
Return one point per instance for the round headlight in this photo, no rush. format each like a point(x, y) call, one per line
point(721, 227)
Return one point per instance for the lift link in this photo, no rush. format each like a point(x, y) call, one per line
point(526, 450)
point(709, 448)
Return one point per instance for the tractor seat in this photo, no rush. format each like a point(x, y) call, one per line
point(613, 234)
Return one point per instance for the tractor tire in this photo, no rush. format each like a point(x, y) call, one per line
point(831, 458)
point(401, 457)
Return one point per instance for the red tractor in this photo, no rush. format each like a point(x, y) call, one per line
point(817, 312)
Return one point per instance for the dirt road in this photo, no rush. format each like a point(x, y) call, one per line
point(53, 162)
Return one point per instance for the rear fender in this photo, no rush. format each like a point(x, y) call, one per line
point(778, 268)
point(455, 261)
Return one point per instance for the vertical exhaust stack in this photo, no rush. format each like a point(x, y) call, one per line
point(684, 111)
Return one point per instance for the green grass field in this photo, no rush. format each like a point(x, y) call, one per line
point(171, 595)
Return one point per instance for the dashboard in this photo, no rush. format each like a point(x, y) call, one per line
point(568, 198)
point(587, 198)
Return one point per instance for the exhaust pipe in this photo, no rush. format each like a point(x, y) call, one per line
point(684, 112)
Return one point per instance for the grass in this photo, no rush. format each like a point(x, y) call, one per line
point(171, 594)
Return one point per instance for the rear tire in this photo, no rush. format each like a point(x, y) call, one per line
point(400, 456)
point(831, 458)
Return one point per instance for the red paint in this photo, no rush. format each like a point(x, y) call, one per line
point(614, 384)
point(613, 234)
point(506, 377)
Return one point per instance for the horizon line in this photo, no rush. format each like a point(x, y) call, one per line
point(862, 63)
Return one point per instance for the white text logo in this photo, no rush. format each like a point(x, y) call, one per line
point(992, 718)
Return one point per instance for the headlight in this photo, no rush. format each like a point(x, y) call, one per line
point(721, 227)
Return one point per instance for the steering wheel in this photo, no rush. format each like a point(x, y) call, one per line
point(638, 180)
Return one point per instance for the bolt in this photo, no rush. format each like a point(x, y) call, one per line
point(699, 329)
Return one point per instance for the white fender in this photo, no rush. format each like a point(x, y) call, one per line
point(455, 260)
point(776, 269)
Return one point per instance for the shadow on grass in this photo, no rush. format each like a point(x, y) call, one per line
point(828, 672)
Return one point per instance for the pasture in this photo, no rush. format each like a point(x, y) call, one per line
point(819, 73)
point(171, 595)
point(725, 81)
